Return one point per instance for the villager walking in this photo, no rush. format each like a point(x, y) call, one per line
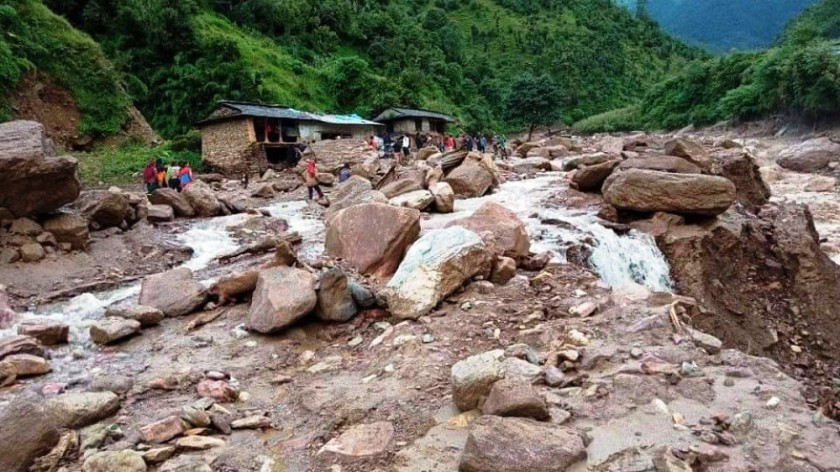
point(310, 177)
point(185, 175)
point(150, 177)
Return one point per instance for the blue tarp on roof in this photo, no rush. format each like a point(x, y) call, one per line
point(287, 113)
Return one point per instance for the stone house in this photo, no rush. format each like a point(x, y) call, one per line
point(241, 137)
point(407, 120)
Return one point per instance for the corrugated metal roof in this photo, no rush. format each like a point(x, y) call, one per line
point(396, 113)
point(286, 113)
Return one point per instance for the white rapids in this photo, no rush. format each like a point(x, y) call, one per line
point(632, 259)
point(621, 261)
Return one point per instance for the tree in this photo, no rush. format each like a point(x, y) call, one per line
point(533, 101)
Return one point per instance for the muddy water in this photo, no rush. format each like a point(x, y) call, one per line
point(619, 260)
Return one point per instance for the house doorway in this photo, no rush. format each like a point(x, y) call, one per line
point(281, 156)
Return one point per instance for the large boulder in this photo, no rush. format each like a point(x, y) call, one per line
point(418, 200)
point(473, 178)
point(672, 164)
point(175, 292)
point(72, 229)
point(444, 197)
point(810, 156)
point(514, 397)
point(28, 432)
point(170, 197)
point(511, 236)
point(652, 191)
point(202, 199)
point(591, 178)
point(104, 209)
point(739, 166)
point(34, 181)
point(283, 296)
point(530, 165)
point(355, 191)
point(520, 445)
point(335, 301)
point(435, 266)
point(409, 180)
point(690, 151)
point(372, 237)
point(586, 160)
point(426, 152)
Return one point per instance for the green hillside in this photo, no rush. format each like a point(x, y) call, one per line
point(800, 76)
point(177, 58)
point(32, 38)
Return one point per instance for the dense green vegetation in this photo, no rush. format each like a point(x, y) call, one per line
point(723, 25)
point(177, 59)
point(799, 76)
point(124, 165)
point(32, 38)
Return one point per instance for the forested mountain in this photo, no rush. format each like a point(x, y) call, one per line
point(175, 59)
point(799, 76)
point(721, 25)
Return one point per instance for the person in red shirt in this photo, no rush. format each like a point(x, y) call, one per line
point(150, 176)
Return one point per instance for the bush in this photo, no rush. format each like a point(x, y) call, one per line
point(622, 119)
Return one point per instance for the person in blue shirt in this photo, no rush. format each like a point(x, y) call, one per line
point(344, 173)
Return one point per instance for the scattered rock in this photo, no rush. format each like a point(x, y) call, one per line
point(591, 178)
point(810, 156)
point(435, 266)
point(160, 213)
point(401, 187)
point(362, 295)
point(252, 422)
point(355, 191)
point(362, 440)
point(20, 345)
point(417, 200)
point(112, 330)
point(146, 315)
point(510, 397)
point(283, 295)
point(199, 443)
point(472, 379)
point(670, 164)
point(175, 292)
point(202, 199)
point(690, 151)
point(110, 461)
point(72, 229)
point(520, 445)
point(25, 227)
point(32, 252)
point(504, 270)
point(26, 365)
point(47, 332)
point(739, 166)
point(104, 209)
point(521, 370)
point(77, 410)
point(162, 430)
point(473, 178)
point(335, 301)
point(444, 197)
point(156, 455)
point(169, 197)
point(711, 344)
point(218, 390)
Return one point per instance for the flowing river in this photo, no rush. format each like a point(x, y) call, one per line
point(620, 260)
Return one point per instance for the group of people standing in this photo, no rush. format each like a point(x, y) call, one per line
point(157, 175)
point(400, 147)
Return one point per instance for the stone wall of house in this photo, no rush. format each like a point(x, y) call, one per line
point(227, 146)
